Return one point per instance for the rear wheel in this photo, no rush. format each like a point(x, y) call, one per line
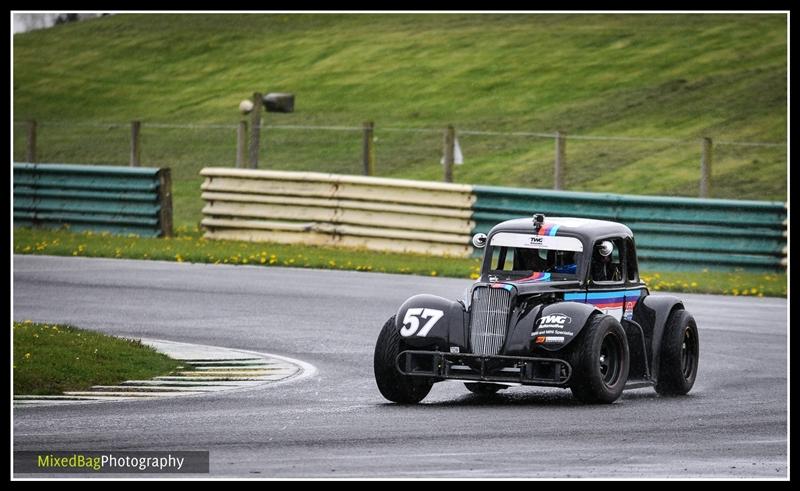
point(600, 361)
point(679, 356)
point(483, 389)
point(395, 386)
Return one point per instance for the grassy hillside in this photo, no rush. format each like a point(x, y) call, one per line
point(654, 76)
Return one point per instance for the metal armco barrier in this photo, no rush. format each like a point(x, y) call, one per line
point(671, 233)
point(119, 200)
point(437, 218)
point(337, 210)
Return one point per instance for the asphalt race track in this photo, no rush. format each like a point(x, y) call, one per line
point(336, 423)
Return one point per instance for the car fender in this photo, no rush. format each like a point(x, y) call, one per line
point(519, 338)
point(558, 324)
point(432, 322)
point(652, 313)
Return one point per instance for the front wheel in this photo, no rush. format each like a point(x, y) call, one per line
point(600, 361)
point(395, 386)
point(680, 353)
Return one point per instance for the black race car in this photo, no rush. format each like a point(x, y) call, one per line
point(559, 303)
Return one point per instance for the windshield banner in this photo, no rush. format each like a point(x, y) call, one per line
point(506, 239)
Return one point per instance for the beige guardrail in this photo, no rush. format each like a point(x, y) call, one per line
point(372, 213)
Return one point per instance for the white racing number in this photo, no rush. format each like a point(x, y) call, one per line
point(411, 321)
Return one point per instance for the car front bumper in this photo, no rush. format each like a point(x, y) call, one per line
point(552, 372)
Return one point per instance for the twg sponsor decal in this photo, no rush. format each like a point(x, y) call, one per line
point(551, 329)
point(554, 321)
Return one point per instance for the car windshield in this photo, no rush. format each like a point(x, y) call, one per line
point(516, 257)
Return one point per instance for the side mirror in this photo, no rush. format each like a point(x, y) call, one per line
point(605, 248)
point(479, 240)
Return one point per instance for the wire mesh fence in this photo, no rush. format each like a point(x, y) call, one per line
point(620, 164)
point(336, 150)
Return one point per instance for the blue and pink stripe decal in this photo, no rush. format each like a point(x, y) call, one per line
point(537, 276)
point(548, 229)
point(504, 286)
point(614, 300)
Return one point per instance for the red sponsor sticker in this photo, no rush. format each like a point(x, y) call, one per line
point(540, 339)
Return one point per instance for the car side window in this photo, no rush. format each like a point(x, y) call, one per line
point(607, 266)
point(632, 264)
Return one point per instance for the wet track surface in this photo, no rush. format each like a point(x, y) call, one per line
point(336, 423)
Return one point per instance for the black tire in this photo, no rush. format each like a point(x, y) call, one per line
point(483, 389)
point(600, 361)
point(395, 386)
point(679, 356)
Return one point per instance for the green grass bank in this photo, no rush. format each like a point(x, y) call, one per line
point(663, 77)
point(51, 358)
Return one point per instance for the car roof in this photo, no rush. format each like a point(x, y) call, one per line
point(586, 228)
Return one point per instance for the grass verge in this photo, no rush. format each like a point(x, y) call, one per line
point(190, 246)
point(50, 359)
point(653, 76)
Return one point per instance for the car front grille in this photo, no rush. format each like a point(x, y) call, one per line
point(489, 320)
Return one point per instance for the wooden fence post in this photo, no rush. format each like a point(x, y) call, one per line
point(241, 144)
point(165, 201)
point(255, 129)
point(705, 168)
point(31, 152)
point(449, 152)
point(136, 127)
point(368, 152)
point(560, 167)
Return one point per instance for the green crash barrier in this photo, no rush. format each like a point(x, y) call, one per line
point(118, 200)
point(671, 233)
